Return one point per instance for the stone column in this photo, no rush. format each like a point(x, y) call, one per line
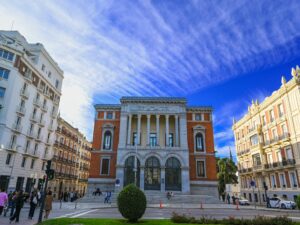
point(157, 129)
point(162, 179)
point(176, 131)
point(129, 130)
point(185, 179)
point(167, 130)
point(148, 129)
point(142, 178)
point(138, 136)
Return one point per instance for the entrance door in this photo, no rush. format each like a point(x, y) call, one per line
point(129, 173)
point(4, 180)
point(173, 175)
point(152, 174)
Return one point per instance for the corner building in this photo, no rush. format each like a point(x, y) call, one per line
point(173, 144)
point(267, 141)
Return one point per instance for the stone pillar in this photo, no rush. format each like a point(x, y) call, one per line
point(162, 179)
point(142, 178)
point(123, 130)
point(183, 131)
point(176, 131)
point(129, 129)
point(185, 179)
point(148, 129)
point(138, 136)
point(157, 129)
point(120, 175)
point(167, 130)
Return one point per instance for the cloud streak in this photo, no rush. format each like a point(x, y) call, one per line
point(113, 48)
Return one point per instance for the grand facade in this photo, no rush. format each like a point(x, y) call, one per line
point(267, 141)
point(161, 144)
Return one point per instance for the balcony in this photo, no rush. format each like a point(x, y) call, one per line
point(31, 134)
point(243, 152)
point(50, 127)
point(53, 114)
point(37, 103)
point(24, 93)
point(245, 170)
point(282, 164)
point(42, 123)
point(44, 108)
point(21, 110)
point(39, 138)
point(257, 167)
point(28, 76)
point(17, 128)
point(277, 139)
point(41, 89)
point(12, 146)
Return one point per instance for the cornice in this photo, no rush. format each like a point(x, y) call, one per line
point(165, 100)
point(107, 106)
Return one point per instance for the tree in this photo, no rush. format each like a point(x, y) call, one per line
point(226, 175)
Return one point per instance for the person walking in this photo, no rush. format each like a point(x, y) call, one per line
point(19, 201)
point(11, 203)
point(33, 203)
point(228, 199)
point(48, 204)
point(3, 200)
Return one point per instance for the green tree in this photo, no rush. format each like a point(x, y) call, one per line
point(226, 174)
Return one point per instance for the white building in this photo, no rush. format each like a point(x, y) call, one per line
point(30, 90)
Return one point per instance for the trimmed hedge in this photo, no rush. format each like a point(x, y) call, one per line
point(132, 203)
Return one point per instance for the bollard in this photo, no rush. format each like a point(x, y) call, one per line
point(160, 205)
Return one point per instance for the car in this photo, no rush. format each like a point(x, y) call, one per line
point(281, 203)
point(243, 201)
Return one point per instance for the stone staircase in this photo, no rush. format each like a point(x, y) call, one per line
point(156, 197)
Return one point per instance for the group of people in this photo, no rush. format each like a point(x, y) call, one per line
point(107, 197)
point(14, 201)
point(233, 199)
point(70, 196)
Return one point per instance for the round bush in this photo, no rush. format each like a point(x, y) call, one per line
point(132, 203)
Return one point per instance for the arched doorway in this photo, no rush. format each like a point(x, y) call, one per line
point(129, 175)
point(173, 174)
point(152, 174)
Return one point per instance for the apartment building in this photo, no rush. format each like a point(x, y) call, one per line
point(158, 143)
point(267, 141)
point(30, 90)
point(71, 160)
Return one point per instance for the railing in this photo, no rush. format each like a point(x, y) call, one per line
point(45, 108)
point(37, 102)
point(34, 118)
point(17, 127)
point(42, 123)
point(21, 110)
point(245, 170)
point(257, 167)
point(284, 163)
point(277, 138)
point(39, 138)
point(28, 76)
point(24, 93)
point(243, 152)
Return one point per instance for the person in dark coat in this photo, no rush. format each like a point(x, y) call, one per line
point(33, 203)
point(19, 202)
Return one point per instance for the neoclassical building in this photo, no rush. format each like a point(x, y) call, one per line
point(171, 145)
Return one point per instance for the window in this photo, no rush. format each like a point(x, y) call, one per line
point(6, 55)
point(293, 179)
point(284, 130)
point(280, 110)
point(264, 120)
point(279, 157)
point(282, 180)
point(27, 145)
point(134, 139)
point(23, 162)
point(56, 83)
point(256, 159)
point(43, 67)
point(153, 139)
point(200, 168)
point(2, 92)
point(272, 117)
point(49, 74)
point(32, 164)
point(254, 140)
point(289, 153)
point(4, 73)
point(270, 158)
point(13, 141)
point(107, 140)
point(8, 159)
point(35, 148)
point(274, 134)
point(105, 166)
point(43, 166)
point(171, 140)
point(198, 116)
point(273, 182)
point(109, 115)
point(199, 142)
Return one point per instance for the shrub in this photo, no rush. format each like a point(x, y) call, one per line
point(298, 201)
point(132, 203)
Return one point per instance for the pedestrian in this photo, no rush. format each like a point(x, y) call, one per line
point(33, 201)
point(65, 196)
point(11, 203)
point(48, 204)
point(39, 197)
point(19, 201)
point(3, 200)
point(228, 199)
point(107, 197)
point(233, 199)
point(71, 196)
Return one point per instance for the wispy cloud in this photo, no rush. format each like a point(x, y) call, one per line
point(113, 48)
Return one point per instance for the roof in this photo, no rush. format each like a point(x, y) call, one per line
point(134, 99)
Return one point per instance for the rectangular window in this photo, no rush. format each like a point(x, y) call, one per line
point(105, 166)
point(280, 110)
point(109, 115)
point(273, 181)
point(153, 139)
point(282, 180)
point(134, 138)
point(32, 164)
point(4, 73)
point(289, 153)
point(43, 166)
point(171, 140)
point(256, 159)
point(2, 92)
point(293, 179)
point(6, 55)
point(198, 117)
point(254, 140)
point(199, 142)
point(43, 67)
point(8, 159)
point(264, 120)
point(272, 117)
point(23, 162)
point(200, 168)
point(56, 84)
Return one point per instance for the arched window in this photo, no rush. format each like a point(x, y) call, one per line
point(199, 142)
point(173, 174)
point(152, 174)
point(129, 172)
point(107, 140)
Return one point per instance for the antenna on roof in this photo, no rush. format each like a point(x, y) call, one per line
point(12, 25)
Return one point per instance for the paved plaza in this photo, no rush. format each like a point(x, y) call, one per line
point(100, 210)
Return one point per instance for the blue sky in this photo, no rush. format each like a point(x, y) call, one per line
point(219, 53)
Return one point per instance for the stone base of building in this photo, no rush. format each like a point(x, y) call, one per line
point(260, 196)
point(102, 184)
point(204, 188)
